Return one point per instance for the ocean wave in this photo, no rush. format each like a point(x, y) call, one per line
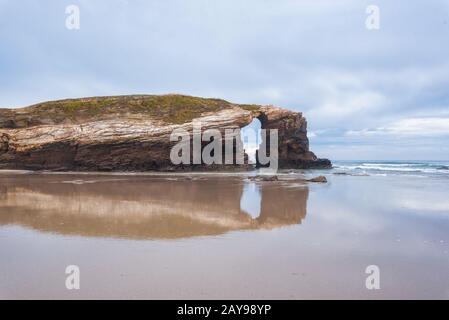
point(405, 165)
point(397, 168)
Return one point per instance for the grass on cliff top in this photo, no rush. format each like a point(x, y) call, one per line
point(176, 109)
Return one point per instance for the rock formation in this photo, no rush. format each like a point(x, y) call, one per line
point(132, 133)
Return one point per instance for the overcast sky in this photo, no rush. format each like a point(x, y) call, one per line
point(367, 94)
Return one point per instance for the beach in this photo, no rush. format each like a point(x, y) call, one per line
point(225, 236)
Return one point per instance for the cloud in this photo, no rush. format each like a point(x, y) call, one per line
point(421, 127)
point(316, 57)
point(342, 105)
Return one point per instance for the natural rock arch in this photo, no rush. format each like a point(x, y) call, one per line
point(132, 133)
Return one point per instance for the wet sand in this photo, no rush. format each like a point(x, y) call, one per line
point(222, 236)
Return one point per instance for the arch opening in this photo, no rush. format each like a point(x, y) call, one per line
point(251, 139)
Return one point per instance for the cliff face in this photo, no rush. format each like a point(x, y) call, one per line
point(132, 133)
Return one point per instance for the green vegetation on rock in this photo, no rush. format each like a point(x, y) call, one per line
point(172, 108)
point(249, 107)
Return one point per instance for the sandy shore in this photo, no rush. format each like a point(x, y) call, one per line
point(213, 236)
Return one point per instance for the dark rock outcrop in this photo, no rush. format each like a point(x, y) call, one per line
point(293, 144)
point(263, 178)
point(132, 133)
point(321, 179)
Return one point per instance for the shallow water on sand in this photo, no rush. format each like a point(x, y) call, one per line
point(222, 236)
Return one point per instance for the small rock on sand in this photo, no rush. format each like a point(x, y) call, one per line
point(321, 179)
point(264, 178)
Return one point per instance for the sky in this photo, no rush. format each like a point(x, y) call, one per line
point(375, 94)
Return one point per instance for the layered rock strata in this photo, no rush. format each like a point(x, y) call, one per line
point(132, 133)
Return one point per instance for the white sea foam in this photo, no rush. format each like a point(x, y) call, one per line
point(397, 168)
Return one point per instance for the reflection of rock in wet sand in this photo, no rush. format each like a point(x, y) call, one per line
point(142, 207)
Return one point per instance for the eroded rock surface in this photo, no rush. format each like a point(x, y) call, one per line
point(132, 133)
